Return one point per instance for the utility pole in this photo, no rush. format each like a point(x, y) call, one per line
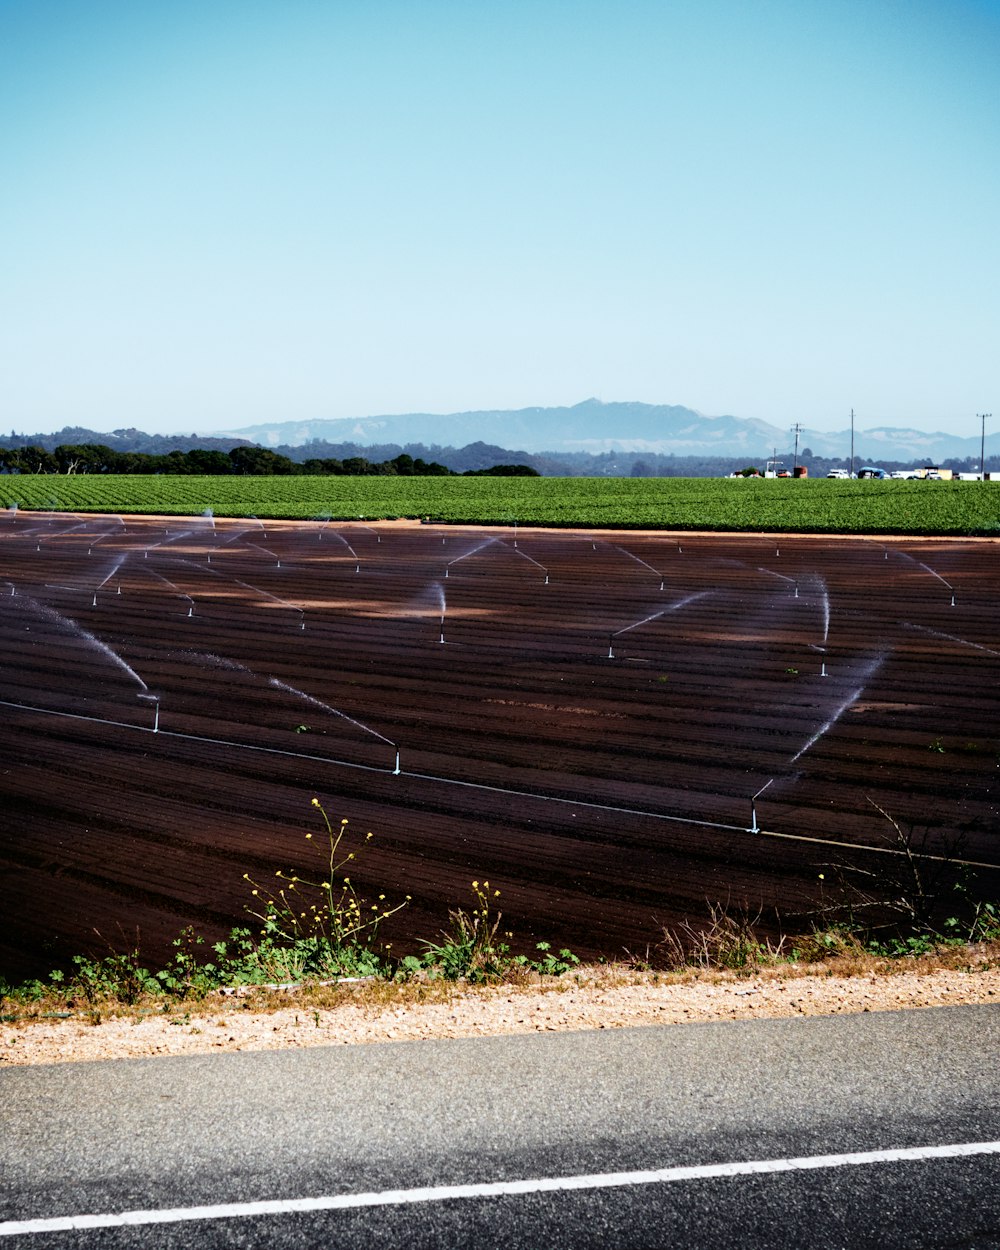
point(982, 445)
point(796, 430)
point(852, 442)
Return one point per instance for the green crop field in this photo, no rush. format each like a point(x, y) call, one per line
point(779, 505)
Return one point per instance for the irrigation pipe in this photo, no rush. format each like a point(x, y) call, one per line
point(504, 790)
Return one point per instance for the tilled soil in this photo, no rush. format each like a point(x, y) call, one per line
point(611, 728)
point(594, 1000)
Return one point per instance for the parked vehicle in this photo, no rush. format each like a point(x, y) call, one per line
point(872, 471)
point(840, 473)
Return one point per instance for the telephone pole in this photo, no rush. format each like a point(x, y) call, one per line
point(796, 430)
point(852, 442)
point(983, 416)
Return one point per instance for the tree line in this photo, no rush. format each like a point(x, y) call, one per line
point(239, 461)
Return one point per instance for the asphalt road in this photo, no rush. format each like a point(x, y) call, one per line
point(165, 1134)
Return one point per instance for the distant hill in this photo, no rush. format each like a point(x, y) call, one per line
point(588, 439)
point(595, 427)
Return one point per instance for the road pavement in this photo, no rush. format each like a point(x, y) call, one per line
point(418, 1144)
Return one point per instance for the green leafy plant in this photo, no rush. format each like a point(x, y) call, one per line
point(475, 948)
point(186, 974)
point(118, 977)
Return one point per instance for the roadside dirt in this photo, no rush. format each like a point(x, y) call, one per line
point(593, 999)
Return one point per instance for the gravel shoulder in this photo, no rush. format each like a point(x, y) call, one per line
point(594, 998)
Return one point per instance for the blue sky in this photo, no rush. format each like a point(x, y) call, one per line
point(218, 214)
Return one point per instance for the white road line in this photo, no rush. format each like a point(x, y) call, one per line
point(497, 1189)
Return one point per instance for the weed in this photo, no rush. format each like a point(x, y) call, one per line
point(186, 974)
point(475, 949)
point(472, 948)
point(118, 977)
point(314, 928)
point(728, 939)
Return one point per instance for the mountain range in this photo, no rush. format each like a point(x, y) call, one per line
point(594, 426)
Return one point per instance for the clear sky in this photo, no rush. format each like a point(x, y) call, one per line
point(215, 214)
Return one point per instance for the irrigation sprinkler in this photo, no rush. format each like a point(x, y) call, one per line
point(515, 533)
point(155, 699)
point(395, 771)
point(822, 669)
point(93, 602)
point(611, 646)
point(754, 827)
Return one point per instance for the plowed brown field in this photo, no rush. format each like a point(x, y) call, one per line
point(583, 719)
